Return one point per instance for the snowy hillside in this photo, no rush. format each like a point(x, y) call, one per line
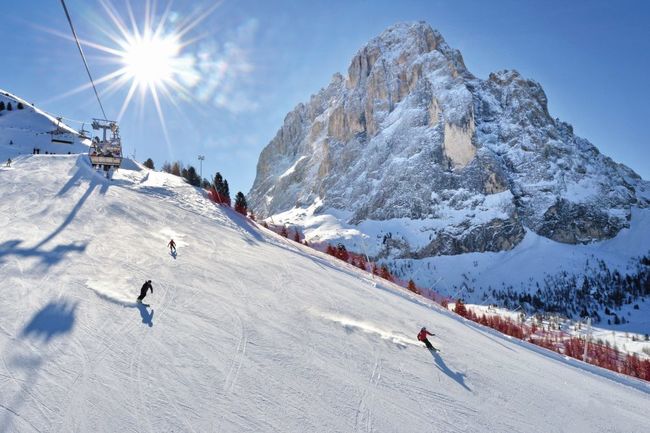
point(246, 332)
point(23, 128)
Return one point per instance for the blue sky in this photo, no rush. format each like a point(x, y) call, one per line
point(261, 58)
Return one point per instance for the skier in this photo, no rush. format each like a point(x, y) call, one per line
point(422, 336)
point(8, 162)
point(143, 291)
point(172, 246)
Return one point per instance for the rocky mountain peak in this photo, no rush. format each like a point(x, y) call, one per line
point(413, 139)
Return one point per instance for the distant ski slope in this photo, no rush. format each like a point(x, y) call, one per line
point(247, 331)
point(23, 130)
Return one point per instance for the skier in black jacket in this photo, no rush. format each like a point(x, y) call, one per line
point(143, 291)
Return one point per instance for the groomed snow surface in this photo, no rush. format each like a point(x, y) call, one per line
point(246, 332)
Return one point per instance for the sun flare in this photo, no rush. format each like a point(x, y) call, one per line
point(150, 54)
point(151, 60)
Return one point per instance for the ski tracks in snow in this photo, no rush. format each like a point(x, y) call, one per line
point(238, 358)
point(135, 367)
point(364, 418)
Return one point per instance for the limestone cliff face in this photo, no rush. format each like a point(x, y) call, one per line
point(411, 135)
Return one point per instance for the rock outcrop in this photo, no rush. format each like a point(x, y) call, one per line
point(411, 135)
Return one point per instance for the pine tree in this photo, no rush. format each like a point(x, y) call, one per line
point(361, 263)
point(149, 164)
point(167, 167)
point(385, 273)
point(342, 252)
point(9, 107)
point(192, 177)
point(284, 232)
point(20, 105)
point(460, 308)
point(240, 203)
point(2, 105)
point(296, 236)
point(412, 287)
point(226, 193)
point(217, 185)
point(176, 168)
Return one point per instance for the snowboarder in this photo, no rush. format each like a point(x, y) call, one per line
point(143, 291)
point(172, 246)
point(422, 336)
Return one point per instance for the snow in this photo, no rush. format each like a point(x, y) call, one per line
point(534, 258)
point(328, 224)
point(247, 331)
point(292, 168)
point(23, 130)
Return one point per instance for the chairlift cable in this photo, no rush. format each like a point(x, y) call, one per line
point(83, 57)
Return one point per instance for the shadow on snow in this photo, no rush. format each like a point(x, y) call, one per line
point(145, 315)
point(456, 375)
point(56, 254)
point(55, 319)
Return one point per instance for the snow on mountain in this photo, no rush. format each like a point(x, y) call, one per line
point(411, 134)
point(24, 128)
point(247, 331)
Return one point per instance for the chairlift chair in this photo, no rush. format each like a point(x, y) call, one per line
point(60, 135)
point(106, 152)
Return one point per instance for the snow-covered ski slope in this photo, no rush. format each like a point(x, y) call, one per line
point(23, 130)
point(247, 332)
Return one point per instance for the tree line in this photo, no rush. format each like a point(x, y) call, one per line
point(10, 107)
point(217, 188)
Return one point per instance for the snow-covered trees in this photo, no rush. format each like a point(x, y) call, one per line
point(240, 203)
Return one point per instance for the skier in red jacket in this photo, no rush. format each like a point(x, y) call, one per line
point(422, 336)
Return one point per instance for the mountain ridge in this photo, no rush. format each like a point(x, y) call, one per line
point(411, 133)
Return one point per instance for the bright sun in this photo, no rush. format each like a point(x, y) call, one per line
point(149, 55)
point(151, 60)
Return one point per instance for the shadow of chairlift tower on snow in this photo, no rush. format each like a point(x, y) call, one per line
point(56, 254)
